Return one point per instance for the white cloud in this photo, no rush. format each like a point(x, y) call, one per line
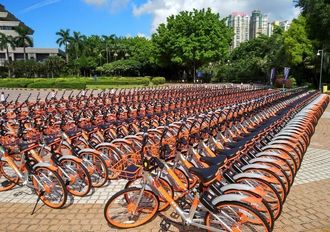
point(96, 2)
point(114, 5)
point(40, 4)
point(161, 9)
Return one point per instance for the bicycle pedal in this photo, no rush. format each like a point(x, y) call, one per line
point(165, 225)
point(174, 215)
point(6, 183)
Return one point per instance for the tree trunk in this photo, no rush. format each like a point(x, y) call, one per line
point(66, 53)
point(24, 51)
point(8, 60)
point(194, 71)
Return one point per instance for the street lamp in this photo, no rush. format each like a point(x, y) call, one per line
point(115, 55)
point(321, 53)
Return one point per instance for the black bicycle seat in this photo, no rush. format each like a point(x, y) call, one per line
point(218, 160)
point(205, 174)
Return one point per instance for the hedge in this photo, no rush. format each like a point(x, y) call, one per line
point(120, 81)
point(158, 80)
point(76, 82)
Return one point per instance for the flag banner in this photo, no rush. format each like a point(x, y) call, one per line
point(272, 75)
point(286, 73)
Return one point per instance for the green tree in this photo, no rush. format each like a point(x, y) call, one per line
point(298, 47)
point(54, 65)
point(192, 39)
point(23, 39)
point(317, 14)
point(64, 40)
point(77, 43)
point(7, 41)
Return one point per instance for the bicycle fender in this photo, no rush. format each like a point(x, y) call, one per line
point(70, 157)
point(243, 187)
point(228, 197)
point(45, 165)
point(110, 145)
point(89, 150)
point(257, 166)
point(249, 175)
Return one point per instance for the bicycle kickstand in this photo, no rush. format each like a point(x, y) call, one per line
point(35, 206)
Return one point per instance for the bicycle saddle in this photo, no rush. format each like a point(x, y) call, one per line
point(205, 174)
point(219, 160)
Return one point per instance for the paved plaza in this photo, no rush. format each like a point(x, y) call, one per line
point(307, 207)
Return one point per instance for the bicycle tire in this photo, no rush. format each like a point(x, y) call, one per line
point(111, 203)
point(242, 207)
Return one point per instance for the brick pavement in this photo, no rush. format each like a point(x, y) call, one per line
point(307, 207)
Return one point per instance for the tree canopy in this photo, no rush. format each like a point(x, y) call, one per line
point(192, 39)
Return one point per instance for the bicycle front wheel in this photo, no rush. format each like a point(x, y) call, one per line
point(131, 207)
point(50, 187)
point(78, 179)
point(235, 216)
point(8, 177)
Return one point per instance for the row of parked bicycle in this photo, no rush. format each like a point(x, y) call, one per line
point(216, 182)
point(75, 140)
point(229, 168)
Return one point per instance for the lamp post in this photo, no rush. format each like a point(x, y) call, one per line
point(321, 53)
point(115, 55)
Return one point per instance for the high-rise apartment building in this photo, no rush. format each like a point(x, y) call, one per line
point(240, 22)
point(258, 24)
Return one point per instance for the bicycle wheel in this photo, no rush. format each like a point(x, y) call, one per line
point(112, 159)
point(257, 203)
point(99, 171)
point(235, 216)
point(163, 204)
point(277, 182)
point(50, 187)
point(78, 182)
point(130, 208)
point(267, 192)
point(8, 177)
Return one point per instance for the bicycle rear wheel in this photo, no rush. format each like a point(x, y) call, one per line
point(236, 216)
point(131, 207)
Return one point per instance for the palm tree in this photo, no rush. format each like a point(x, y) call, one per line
point(7, 41)
point(23, 39)
point(77, 42)
point(108, 41)
point(64, 40)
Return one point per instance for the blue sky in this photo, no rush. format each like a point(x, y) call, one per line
point(124, 17)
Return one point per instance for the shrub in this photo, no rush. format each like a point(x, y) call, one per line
point(279, 83)
point(15, 83)
point(121, 67)
point(158, 80)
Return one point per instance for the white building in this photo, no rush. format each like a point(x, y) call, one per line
point(8, 24)
point(285, 25)
point(240, 22)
